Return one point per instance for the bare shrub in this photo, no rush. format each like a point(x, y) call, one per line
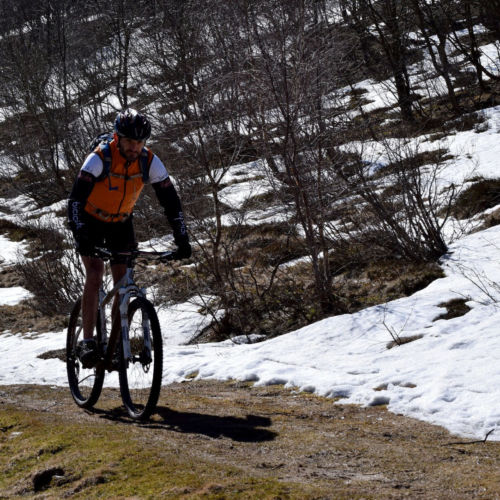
point(404, 210)
point(260, 304)
point(54, 275)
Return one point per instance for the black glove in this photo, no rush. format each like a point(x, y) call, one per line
point(183, 251)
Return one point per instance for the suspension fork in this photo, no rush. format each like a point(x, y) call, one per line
point(146, 329)
point(102, 318)
point(113, 337)
point(114, 295)
point(146, 340)
point(124, 298)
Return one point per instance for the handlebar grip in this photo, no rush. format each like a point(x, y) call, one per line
point(102, 253)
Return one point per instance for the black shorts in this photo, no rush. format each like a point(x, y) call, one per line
point(114, 236)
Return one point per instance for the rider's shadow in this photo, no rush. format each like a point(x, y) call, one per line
point(244, 429)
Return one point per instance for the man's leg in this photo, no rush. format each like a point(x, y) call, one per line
point(94, 269)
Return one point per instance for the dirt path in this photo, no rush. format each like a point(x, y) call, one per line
point(227, 440)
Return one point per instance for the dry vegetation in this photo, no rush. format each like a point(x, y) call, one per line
point(215, 86)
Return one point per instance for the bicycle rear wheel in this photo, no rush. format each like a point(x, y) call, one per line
point(140, 377)
point(85, 383)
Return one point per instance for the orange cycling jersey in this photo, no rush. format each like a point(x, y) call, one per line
point(113, 197)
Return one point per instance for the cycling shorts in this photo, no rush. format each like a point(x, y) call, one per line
point(114, 236)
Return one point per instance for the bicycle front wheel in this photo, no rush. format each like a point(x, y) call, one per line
point(85, 383)
point(140, 376)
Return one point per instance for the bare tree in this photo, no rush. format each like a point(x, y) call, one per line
point(121, 21)
point(469, 45)
point(297, 64)
point(36, 88)
point(197, 63)
point(435, 28)
point(390, 19)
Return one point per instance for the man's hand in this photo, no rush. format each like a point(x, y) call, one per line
point(183, 252)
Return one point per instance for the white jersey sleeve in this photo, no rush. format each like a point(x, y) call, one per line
point(93, 165)
point(157, 171)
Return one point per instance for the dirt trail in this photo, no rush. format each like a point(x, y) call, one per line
point(238, 438)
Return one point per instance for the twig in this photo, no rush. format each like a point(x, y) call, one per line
point(472, 442)
point(396, 337)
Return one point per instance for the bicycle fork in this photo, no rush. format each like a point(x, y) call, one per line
point(102, 318)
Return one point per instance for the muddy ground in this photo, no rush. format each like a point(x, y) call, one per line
point(235, 441)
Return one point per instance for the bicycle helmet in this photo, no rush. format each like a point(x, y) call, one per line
point(132, 125)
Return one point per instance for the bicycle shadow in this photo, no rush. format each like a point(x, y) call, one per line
point(248, 429)
point(243, 429)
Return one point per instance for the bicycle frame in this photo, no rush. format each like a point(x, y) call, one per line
point(126, 289)
point(140, 354)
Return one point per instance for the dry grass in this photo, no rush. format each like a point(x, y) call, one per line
point(454, 309)
point(483, 194)
point(23, 318)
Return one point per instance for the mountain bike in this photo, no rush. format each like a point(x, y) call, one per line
point(133, 346)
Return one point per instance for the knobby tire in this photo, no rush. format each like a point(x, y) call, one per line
point(140, 381)
point(85, 383)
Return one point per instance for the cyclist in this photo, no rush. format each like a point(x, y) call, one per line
point(100, 210)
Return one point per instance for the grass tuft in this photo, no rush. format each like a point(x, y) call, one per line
point(479, 197)
point(454, 309)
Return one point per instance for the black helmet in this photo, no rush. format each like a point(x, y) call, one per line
point(133, 125)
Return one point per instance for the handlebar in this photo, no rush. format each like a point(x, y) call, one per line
point(105, 254)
